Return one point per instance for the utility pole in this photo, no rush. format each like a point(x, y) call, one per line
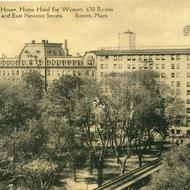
point(45, 69)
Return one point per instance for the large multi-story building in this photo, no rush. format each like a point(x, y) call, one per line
point(173, 66)
point(52, 61)
point(49, 59)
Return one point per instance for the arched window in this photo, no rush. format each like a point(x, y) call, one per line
point(91, 61)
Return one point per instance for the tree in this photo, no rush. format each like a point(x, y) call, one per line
point(118, 109)
point(174, 174)
point(16, 108)
point(34, 82)
point(61, 114)
point(95, 129)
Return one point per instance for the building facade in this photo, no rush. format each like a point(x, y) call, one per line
point(172, 65)
point(49, 59)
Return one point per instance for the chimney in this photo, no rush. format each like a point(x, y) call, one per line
point(33, 41)
point(66, 48)
point(43, 41)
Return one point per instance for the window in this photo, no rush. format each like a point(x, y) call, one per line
point(157, 57)
point(106, 66)
point(101, 58)
point(188, 74)
point(150, 66)
point(128, 58)
point(178, 91)
point(188, 57)
point(188, 83)
point(115, 58)
point(30, 61)
point(140, 58)
point(172, 83)
point(115, 66)
point(172, 57)
point(172, 75)
point(101, 66)
point(120, 58)
point(87, 73)
point(54, 62)
point(178, 57)
point(145, 66)
point(141, 65)
point(188, 110)
point(93, 73)
point(162, 66)
point(17, 72)
point(188, 121)
point(59, 62)
point(133, 66)
point(106, 58)
point(172, 66)
point(90, 61)
point(177, 75)
point(101, 74)
point(38, 51)
point(157, 66)
point(163, 75)
point(63, 62)
point(177, 66)
point(133, 58)
point(162, 57)
point(177, 83)
point(145, 58)
point(129, 66)
point(188, 65)
point(120, 66)
point(188, 92)
point(188, 100)
point(150, 57)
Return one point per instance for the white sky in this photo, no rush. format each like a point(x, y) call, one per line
point(155, 22)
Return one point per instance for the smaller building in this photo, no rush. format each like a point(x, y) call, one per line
point(49, 59)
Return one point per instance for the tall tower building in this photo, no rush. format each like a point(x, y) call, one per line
point(127, 40)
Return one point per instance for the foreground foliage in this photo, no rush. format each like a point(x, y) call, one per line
point(175, 175)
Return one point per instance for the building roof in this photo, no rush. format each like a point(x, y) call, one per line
point(103, 52)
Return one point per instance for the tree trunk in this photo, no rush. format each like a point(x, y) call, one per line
point(100, 165)
point(122, 169)
point(140, 158)
point(74, 171)
point(91, 164)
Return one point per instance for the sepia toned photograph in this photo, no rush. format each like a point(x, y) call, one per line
point(95, 95)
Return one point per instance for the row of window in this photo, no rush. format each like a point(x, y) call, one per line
point(65, 62)
point(143, 58)
point(70, 72)
point(177, 83)
point(143, 66)
point(39, 62)
point(49, 73)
